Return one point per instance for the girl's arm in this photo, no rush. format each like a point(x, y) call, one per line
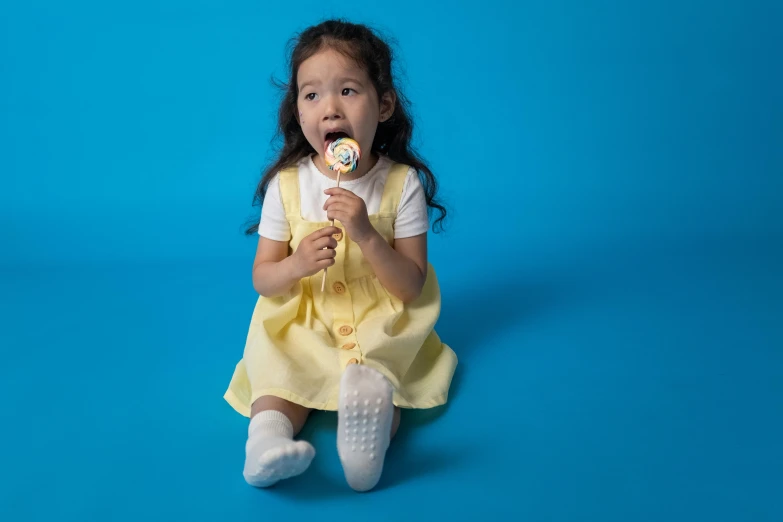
point(272, 270)
point(402, 269)
point(275, 272)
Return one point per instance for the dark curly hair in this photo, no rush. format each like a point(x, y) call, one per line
point(393, 136)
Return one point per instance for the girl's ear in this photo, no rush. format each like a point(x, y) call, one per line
point(388, 103)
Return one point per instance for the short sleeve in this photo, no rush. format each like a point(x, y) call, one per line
point(273, 224)
point(412, 219)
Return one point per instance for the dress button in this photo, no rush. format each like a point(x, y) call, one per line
point(349, 346)
point(339, 287)
point(338, 236)
point(353, 361)
point(345, 330)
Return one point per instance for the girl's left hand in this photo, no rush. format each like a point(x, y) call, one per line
point(351, 211)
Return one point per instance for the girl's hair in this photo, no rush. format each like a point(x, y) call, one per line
point(393, 136)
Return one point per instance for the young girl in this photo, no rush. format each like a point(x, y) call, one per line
point(365, 346)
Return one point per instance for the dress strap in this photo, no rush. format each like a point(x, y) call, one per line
point(289, 191)
point(392, 192)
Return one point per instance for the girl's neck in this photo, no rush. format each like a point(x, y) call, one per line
point(365, 165)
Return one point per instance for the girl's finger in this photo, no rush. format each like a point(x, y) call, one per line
point(334, 191)
point(324, 232)
point(327, 253)
point(336, 199)
point(337, 214)
point(339, 207)
point(324, 263)
point(325, 242)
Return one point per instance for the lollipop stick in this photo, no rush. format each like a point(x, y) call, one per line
point(323, 281)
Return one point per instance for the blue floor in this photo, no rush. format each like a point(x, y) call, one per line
point(609, 385)
point(612, 275)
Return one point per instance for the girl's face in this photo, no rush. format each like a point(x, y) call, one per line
point(337, 96)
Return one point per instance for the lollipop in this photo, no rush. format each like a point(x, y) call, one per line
point(342, 156)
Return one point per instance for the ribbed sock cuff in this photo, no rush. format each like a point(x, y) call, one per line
point(271, 422)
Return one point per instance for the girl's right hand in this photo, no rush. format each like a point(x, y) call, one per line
point(315, 252)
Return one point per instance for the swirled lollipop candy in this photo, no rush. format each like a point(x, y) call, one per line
point(342, 156)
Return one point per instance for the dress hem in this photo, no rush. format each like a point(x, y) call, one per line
point(243, 407)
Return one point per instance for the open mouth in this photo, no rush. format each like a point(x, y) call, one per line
point(332, 136)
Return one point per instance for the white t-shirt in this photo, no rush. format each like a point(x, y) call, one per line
point(412, 218)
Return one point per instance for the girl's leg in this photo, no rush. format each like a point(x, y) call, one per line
point(271, 454)
point(395, 422)
point(296, 414)
point(365, 423)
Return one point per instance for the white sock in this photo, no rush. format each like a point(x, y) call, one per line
point(364, 420)
point(271, 454)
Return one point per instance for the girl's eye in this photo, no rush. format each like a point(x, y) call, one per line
point(310, 96)
point(347, 91)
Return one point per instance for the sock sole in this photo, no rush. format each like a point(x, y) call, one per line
point(365, 413)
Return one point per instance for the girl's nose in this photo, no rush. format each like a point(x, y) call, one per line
point(332, 110)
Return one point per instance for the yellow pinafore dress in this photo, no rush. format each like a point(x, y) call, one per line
point(299, 344)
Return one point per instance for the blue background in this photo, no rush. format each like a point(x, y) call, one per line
point(611, 275)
